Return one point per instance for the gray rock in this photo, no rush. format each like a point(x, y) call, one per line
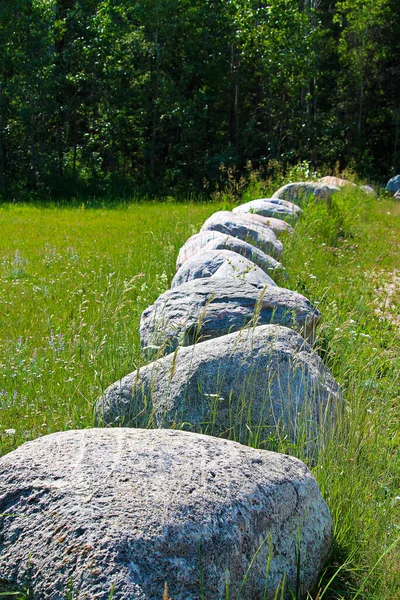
point(208, 308)
point(269, 207)
point(221, 263)
point(232, 224)
point(128, 510)
point(369, 190)
point(278, 226)
point(393, 185)
point(301, 191)
point(338, 182)
point(265, 380)
point(197, 244)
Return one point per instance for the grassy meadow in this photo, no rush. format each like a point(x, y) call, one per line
point(73, 284)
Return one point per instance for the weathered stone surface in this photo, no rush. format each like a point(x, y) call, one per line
point(98, 510)
point(336, 181)
point(301, 191)
point(269, 207)
point(226, 242)
point(278, 226)
point(208, 308)
point(393, 185)
point(221, 263)
point(231, 224)
point(265, 380)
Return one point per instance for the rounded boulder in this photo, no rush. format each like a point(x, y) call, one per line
point(221, 263)
point(208, 308)
point(103, 513)
point(232, 224)
point(265, 380)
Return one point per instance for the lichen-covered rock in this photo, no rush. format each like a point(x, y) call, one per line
point(393, 185)
point(207, 308)
point(269, 207)
point(265, 380)
point(102, 513)
point(221, 263)
point(232, 224)
point(301, 191)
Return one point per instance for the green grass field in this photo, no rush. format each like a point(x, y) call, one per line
point(74, 282)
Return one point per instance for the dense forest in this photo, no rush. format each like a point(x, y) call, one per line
point(123, 94)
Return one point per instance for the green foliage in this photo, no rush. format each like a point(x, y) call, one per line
point(100, 96)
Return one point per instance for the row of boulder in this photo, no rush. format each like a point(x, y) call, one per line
point(152, 507)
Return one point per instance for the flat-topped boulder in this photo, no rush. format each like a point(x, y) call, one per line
point(207, 308)
point(265, 379)
point(221, 263)
point(102, 513)
point(301, 192)
point(269, 207)
point(214, 240)
point(232, 224)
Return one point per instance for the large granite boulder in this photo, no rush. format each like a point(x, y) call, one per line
point(231, 224)
point(278, 226)
point(269, 207)
point(221, 263)
point(302, 191)
point(103, 513)
point(393, 185)
point(262, 380)
point(207, 308)
point(214, 240)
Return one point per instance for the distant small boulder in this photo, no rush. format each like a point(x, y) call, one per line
point(116, 513)
point(232, 224)
point(221, 263)
point(393, 185)
point(208, 308)
point(302, 191)
point(367, 189)
point(336, 181)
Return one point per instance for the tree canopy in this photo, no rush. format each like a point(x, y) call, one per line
point(99, 93)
